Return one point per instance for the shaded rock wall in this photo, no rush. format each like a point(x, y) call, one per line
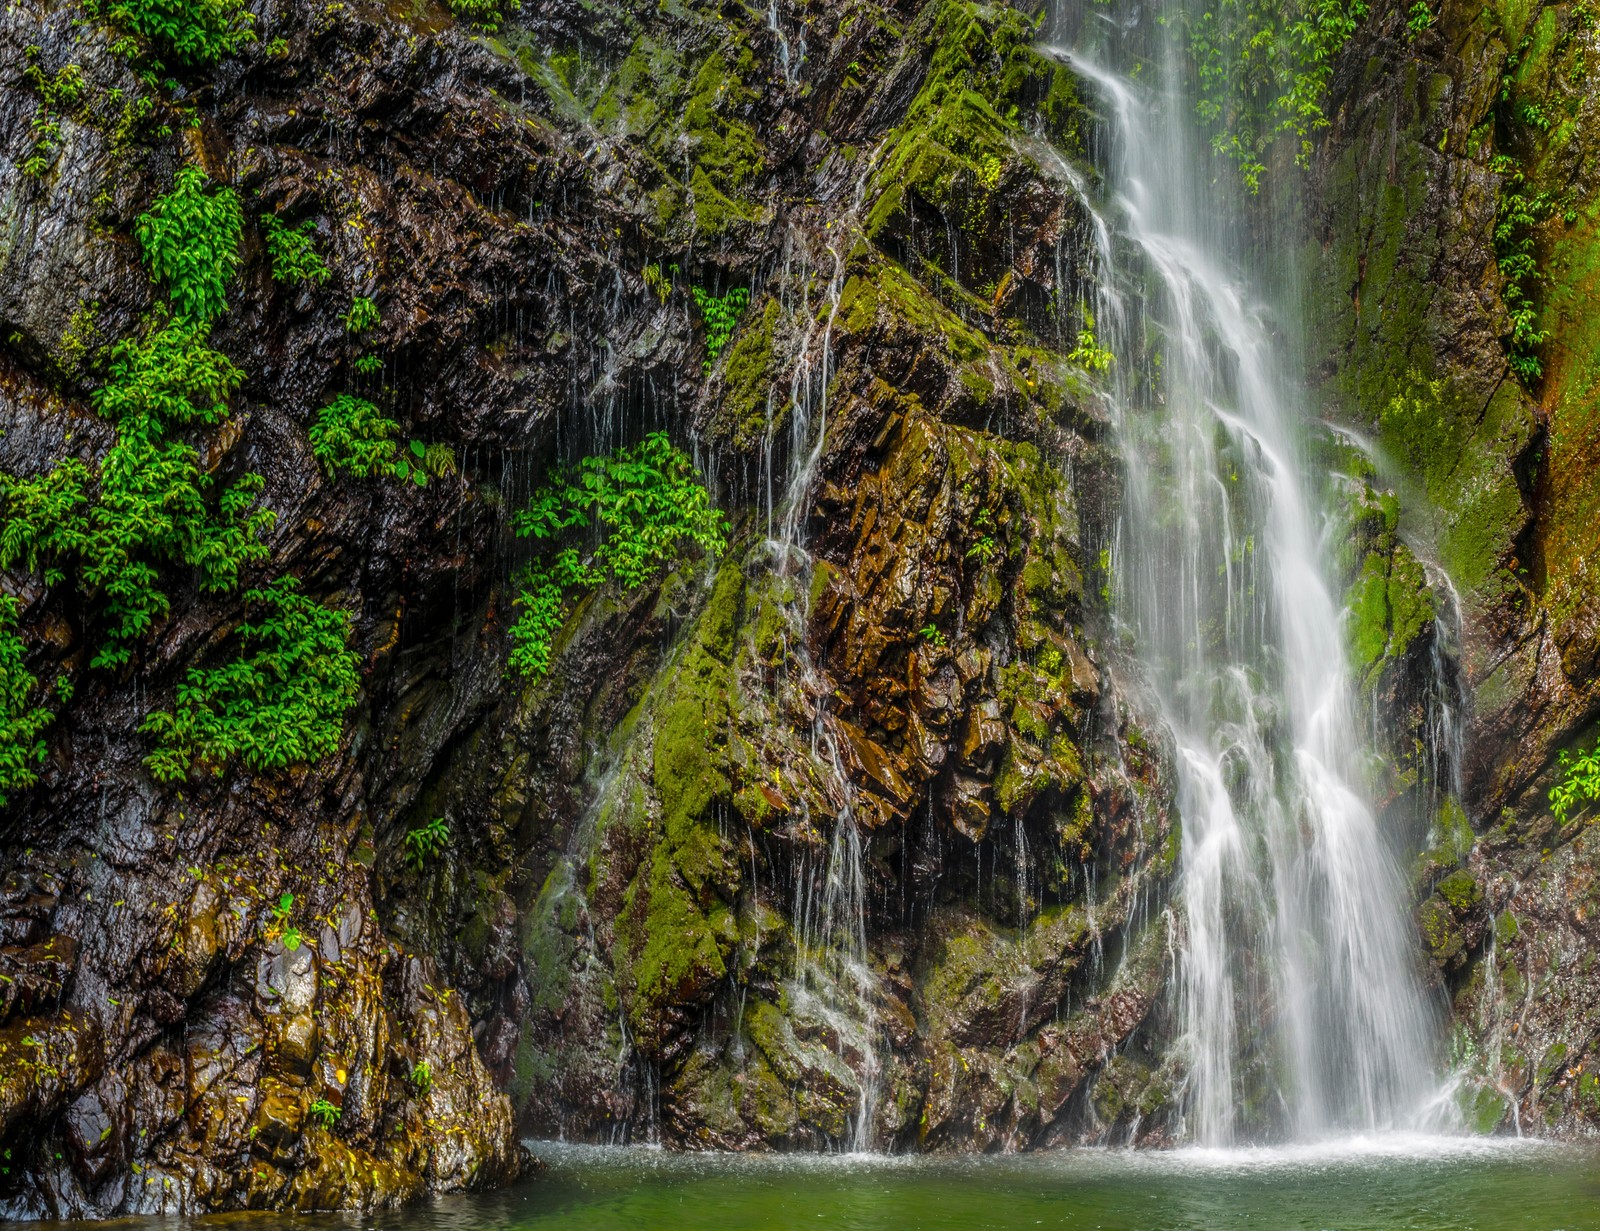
point(1492, 473)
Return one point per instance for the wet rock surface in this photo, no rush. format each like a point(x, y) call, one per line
point(239, 991)
point(1448, 148)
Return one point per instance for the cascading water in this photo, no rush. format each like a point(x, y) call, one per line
point(1300, 1008)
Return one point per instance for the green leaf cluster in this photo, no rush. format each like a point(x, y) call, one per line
point(154, 504)
point(1263, 68)
point(57, 94)
point(641, 503)
point(1088, 353)
point(363, 315)
point(192, 34)
point(721, 316)
point(1580, 782)
point(295, 258)
point(191, 242)
point(280, 703)
point(21, 723)
point(352, 436)
point(424, 843)
point(485, 14)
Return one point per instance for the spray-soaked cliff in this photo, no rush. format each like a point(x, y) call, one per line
point(852, 823)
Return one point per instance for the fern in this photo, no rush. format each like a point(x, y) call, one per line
point(280, 703)
point(645, 502)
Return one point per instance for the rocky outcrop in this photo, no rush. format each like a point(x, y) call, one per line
point(247, 989)
point(1454, 150)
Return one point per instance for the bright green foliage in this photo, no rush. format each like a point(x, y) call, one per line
point(1514, 226)
point(41, 519)
point(424, 843)
point(368, 365)
point(294, 256)
point(1088, 353)
point(191, 242)
point(324, 1112)
point(721, 317)
point(485, 14)
point(643, 501)
point(280, 703)
point(168, 378)
point(354, 436)
point(192, 33)
point(21, 724)
point(1263, 68)
point(1418, 18)
point(1580, 782)
point(363, 315)
point(57, 94)
point(152, 508)
point(422, 1076)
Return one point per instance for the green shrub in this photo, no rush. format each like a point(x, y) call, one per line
point(424, 843)
point(191, 242)
point(1263, 69)
point(280, 703)
point(1088, 353)
point(485, 14)
point(721, 317)
point(363, 315)
point(324, 1113)
point(1515, 224)
point(22, 749)
point(1580, 782)
point(191, 33)
point(645, 502)
point(168, 378)
point(42, 522)
point(295, 258)
point(353, 436)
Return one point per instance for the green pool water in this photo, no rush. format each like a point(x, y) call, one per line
point(1364, 1185)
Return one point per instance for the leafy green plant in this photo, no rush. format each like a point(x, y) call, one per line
point(644, 501)
point(422, 1076)
point(424, 843)
point(353, 436)
point(191, 242)
point(280, 703)
point(1519, 214)
point(22, 723)
point(192, 34)
point(484, 14)
point(367, 365)
point(363, 315)
point(169, 377)
point(324, 1113)
point(1580, 782)
point(1263, 68)
point(983, 549)
point(1088, 353)
point(721, 316)
point(295, 258)
point(931, 634)
point(285, 904)
point(57, 95)
point(1418, 18)
point(291, 939)
point(660, 284)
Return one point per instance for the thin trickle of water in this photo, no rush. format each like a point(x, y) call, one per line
point(1300, 1010)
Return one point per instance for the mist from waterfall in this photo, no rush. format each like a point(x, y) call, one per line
point(1301, 1010)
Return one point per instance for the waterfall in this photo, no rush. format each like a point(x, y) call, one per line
point(1301, 1011)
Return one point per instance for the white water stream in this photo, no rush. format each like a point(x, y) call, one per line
point(1301, 1012)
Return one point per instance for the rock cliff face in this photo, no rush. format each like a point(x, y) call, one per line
point(1452, 152)
point(859, 832)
